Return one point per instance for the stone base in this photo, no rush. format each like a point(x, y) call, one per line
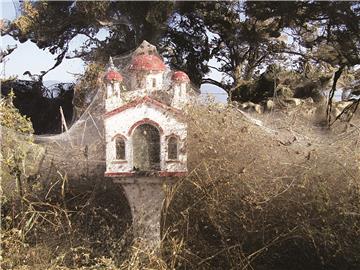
point(146, 196)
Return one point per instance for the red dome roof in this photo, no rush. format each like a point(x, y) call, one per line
point(113, 75)
point(145, 62)
point(180, 76)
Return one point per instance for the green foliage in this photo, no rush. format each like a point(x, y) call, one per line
point(239, 45)
point(19, 153)
point(326, 33)
point(328, 27)
point(12, 119)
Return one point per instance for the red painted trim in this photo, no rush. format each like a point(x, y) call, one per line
point(145, 99)
point(133, 174)
point(145, 121)
point(119, 174)
point(119, 135)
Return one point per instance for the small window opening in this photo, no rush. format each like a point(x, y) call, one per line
point(146, 148)
point(139, 80)
point(120, 148)
point(153, 82)
point(172, 148)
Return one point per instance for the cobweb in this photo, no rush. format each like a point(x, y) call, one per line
point(80, 150)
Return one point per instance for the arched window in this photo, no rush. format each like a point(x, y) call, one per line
point(120, 148)
point(153, 82)
point(172, 148)
point(139, 80)
point(146, 148)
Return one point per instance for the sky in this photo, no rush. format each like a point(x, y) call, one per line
point(28, 57)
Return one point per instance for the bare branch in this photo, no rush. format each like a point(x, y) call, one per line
point(213, 82)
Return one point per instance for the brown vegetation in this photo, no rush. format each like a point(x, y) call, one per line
point(280, 194)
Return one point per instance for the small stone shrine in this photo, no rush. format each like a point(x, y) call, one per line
point(145, 131)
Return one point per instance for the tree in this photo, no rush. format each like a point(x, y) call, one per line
point(40, 103)
point(191, 34)
point(53, 25)
point(328, 31)
point(245, 38)
point(241, 38)
point(240, 45)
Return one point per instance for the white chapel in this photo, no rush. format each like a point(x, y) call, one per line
point(145, 127)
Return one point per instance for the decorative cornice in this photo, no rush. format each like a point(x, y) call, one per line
point(147, 100)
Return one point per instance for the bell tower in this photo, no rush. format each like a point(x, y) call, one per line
point(180, 84)
point(114, 86)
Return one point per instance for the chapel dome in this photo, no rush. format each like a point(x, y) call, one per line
point(180, 76)
point(146, 62)
point(113, 75)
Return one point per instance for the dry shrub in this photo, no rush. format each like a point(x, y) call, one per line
point(66, 224)
point(284, 196)
point(265, 199)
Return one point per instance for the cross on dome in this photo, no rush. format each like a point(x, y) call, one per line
point(111, 63)
point(112, 73)
point(146, 58)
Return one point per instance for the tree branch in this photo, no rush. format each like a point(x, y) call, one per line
point(300, 54)
point(59, 60)
point(332, 92)
point(213, 82)
point(218, 69)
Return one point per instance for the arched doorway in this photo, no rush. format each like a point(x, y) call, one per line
point(146, 148)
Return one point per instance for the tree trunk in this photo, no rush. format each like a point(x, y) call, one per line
point(249, 71)
point(237, 80)
point(332, 92)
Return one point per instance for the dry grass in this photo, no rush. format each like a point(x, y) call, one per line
point(267, 199)
point(285, 196)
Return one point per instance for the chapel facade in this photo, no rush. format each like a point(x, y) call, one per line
point(145, 127)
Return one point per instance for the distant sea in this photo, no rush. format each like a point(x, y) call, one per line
point(50, 83)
